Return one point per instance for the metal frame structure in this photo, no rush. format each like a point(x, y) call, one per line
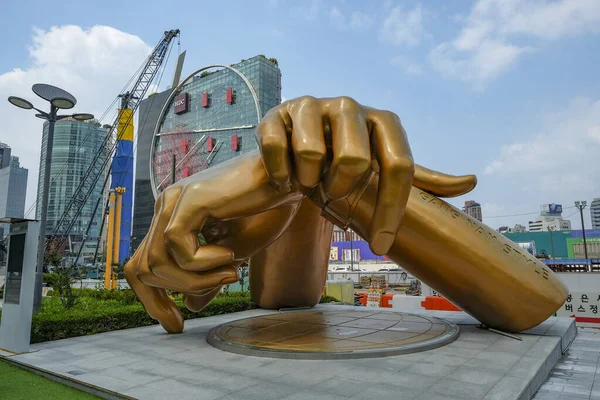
point(101, 161)
point(176, 91)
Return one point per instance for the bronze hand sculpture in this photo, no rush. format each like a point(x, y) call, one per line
point(353, 165)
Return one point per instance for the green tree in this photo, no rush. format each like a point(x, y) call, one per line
point(65, 277)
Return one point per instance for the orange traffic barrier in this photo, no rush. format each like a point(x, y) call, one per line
point(386, 300)
point(438, 303)
point(363, 299)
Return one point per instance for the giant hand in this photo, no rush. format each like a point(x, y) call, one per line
point(237, 212)
point(335, 141)
point(244, 207)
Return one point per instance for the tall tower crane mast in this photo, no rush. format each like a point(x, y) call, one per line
point(98, 171)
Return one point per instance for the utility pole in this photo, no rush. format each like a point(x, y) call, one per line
point(349, 234)
point(581, 205)
point(551, 241)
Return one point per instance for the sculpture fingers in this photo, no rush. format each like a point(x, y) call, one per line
point(248, 193)
point(308, 140)
point(396, 170)
point(160, 249)
point(155, 300)
point(443, 185)
point(271, 135)
point(350, 143)
point(197, 302)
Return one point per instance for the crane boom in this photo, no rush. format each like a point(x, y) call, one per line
point(97, 171)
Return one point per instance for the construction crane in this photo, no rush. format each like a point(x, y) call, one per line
point(99, 169)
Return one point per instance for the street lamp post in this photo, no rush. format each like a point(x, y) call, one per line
point(58, 99)
point(551, 241)
point(581, 205)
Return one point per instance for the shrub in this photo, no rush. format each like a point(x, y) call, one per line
point(328, 299)
point(126, 296)
point(51, 279)
point(91, 316)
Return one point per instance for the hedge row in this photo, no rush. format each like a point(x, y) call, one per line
point(92, 315)
point(125, 296)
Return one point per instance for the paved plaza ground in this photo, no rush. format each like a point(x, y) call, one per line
point(147, 363)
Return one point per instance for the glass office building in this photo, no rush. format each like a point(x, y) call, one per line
point(13, 188)
point(75, 145)
point(209, 120)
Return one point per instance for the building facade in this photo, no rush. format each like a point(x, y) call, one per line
point(4, 155)
point(75, 145)
point(211, 119)
point(143, 210)
point(595, 213)
point(13, 189)
point(473, 209)
point(550, 218)
point(507, 229)
point(558, 244)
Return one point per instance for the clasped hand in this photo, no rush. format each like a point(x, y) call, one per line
point(242, 206)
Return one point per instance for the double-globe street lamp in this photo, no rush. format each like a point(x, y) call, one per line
point(58, 99)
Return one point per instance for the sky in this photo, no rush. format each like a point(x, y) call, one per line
point(504, 89)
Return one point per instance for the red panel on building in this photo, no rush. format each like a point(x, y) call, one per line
point(184, 146)
point(205, 99)
point(209, 144)
point(234, 143)
point(186, 172)
point(229, 96)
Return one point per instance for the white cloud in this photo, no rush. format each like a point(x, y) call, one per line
point(360, 21)
point(407, 65)
point(561, 158)
point(277, 32)
point(497, 32)
point(403, 28)
point(337, 18)
point(487, 61)
point(92, 64)
point(310, 12)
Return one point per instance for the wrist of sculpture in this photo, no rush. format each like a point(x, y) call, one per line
point(475, 267)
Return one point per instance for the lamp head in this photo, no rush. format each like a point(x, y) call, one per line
point(20, 102)
point(58, 97)
point(82, 116)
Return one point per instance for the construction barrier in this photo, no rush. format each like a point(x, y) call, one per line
point(438, 303)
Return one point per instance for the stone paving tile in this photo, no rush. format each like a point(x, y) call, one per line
point(146, 393)
point(343, 386)
point(430, 369)
point(108, 382)
point(405, 379)
point(476, 376)
point(386, 391)
point(182, 390)
point(314, 395)
point(507, 388)
point(461, 390)
point(574, 375)
point(264, 391)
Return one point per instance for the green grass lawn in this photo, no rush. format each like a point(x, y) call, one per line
point(19, 384)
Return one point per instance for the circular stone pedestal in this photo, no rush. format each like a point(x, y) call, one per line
point(328, 335)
